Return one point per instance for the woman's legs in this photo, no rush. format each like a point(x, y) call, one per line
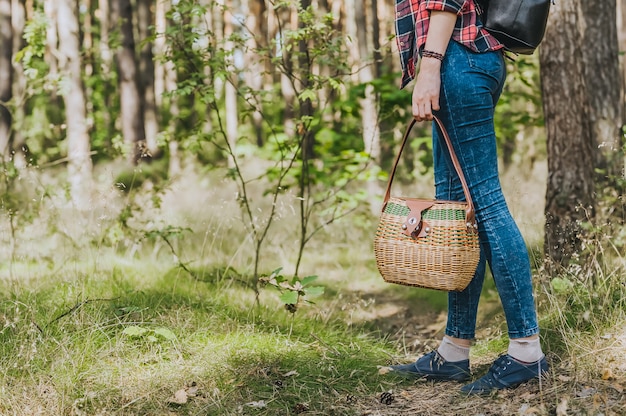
point(471, 85)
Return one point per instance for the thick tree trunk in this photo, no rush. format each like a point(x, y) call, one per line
point(146, 70)
point(132, 118)
point(604, 86)
point(621, 35)
point(79, 162)
point(6, 78)
point(570, 144)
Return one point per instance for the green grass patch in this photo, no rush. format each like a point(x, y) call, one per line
point(128, 339)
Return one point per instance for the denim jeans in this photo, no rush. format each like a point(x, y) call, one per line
point(471, 85)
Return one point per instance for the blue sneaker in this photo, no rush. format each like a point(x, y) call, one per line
point(506, 372)
point(432, 366)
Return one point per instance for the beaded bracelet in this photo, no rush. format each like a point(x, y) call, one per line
point(432, 54)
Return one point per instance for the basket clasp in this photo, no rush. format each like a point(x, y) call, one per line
point(414, 226)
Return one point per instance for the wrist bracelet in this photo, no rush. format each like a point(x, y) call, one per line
point(432, 54)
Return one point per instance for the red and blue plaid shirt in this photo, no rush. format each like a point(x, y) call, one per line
point(412, 19)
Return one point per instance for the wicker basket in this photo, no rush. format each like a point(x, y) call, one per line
point(427, 243)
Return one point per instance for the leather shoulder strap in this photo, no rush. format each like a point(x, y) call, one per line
point(470, 214)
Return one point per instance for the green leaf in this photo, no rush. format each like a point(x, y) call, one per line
point(307, 95)
point(289, 298)
point(165, 333)
point(561, 285)
point(308, 280)
point(314, 291)
point(134, 331)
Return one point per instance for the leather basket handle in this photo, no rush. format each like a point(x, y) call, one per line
point(470, 214)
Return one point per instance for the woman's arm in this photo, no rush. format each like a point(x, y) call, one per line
point(428, 82)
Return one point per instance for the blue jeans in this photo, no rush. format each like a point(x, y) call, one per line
point(471, 85)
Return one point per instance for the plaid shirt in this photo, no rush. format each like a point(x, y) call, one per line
point(412, 19)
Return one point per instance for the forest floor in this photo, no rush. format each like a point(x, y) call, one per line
point(571, 387)
point(151, 317)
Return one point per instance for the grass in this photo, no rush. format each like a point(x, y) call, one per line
point(95, 319)
point(71, 334)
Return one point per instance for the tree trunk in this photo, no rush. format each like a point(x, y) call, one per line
point(306, 106)
point(283, 19)
point(50, 9)
point(375, 24)
point(369, 106)
point(570, 144)
point(230, 91)
point(146, 70)
point(19, 149)
point(6, 79)
point(603, 80)
point(79, 162)
point(257, 41)
point(132, 118)
point(621, 33)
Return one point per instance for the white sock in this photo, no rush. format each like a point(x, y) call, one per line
point(527, 350)
point(451, 351)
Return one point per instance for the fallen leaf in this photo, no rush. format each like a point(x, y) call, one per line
point(526, 409)
point(586, 392)
point(180, 397)
point(607, 374)
point(383, 370)
point(561, 409)
point(290, 373)
point(192, 391)
point(527, 395)
point(257, 405)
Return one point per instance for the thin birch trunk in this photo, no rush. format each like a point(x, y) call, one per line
point(230, 91)
point(52, 41)
point(257, 40)
point(79, 161)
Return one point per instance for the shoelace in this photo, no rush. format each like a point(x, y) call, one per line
point(500, 365)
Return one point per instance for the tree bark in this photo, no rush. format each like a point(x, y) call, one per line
point(604, 84)
point(6, 79)
point(230, 91)
point(50, 9)
point(132, 118)
point(19, 150)
point(79, 161)
point(146, 70)
point(255, 66)
point(570, 144)
point(369, 106)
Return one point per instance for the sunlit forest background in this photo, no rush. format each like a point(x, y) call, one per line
point(190, 189)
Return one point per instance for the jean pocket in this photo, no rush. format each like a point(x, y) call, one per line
point(489, 63)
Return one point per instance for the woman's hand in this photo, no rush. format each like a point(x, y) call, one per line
point(426, 89)
point(428, 82)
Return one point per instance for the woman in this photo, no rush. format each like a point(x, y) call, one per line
point(460, 79)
